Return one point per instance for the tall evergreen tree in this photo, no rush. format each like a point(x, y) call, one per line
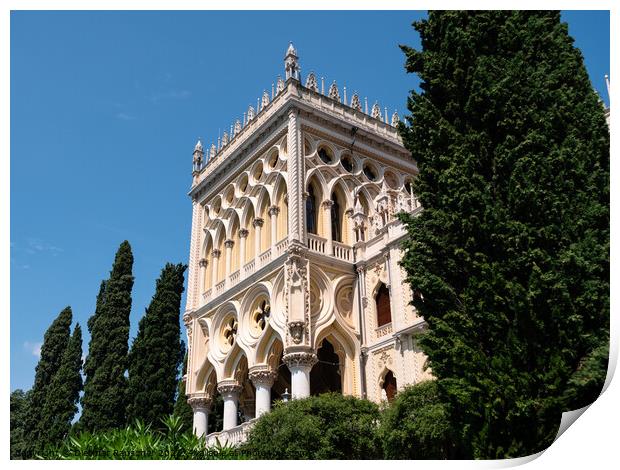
point(64, 392)
point(105, 387)
point(156, 351)
point(19, 412)
point(55, 342)
point(181, 407)
point(509, 260)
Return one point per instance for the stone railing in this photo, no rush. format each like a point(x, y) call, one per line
point(316, 243)
point(249, 268)
point(219, 287)
point(384, 330)
point(234, 277)
point(264, 257)
point(342, 251)
point(281, 246)
point(231, 437)
point(206, 296)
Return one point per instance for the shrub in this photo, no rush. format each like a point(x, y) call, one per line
point(416, 425)
point(139, 442)
point(329, 426)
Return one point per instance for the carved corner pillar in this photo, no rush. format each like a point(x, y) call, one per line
point(297, 297)
point(201, 404)
point(300, 363)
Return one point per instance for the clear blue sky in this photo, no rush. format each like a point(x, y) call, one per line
point(107, 106)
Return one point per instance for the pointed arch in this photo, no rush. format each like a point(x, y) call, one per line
point(282, 204)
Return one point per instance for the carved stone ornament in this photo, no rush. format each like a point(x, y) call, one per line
point(203, 262)
point(311, 82)
point(187, 318)
point(279, 84)
point(228, 387)
point(229, 243)
point(216, 253)
point(333, 93)
point(258, 222)
point(327, 204)
point(355, 102)
point(297, 330)
point(201, 402)
point(296, 359)
point(274, 210)
point(243, 233)
point(376, 111)
point(262, 375)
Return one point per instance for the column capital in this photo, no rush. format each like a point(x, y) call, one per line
point(274, 210)
point(300, 359)
point(201, 401)
point(229, 243)
point(216, 253)
point(204, 262)
point(243, 233)
point(327, 204)
point(258, 222)
point(228, 387)
point(262, 375)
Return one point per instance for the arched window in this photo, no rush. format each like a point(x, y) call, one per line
point(311, 211)
point(335, 216)
point(384, 313)
point(389, 385)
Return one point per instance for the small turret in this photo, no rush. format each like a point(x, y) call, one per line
point(198, 155)
point(291, 63)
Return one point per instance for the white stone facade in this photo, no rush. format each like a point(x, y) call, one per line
point(294, 283)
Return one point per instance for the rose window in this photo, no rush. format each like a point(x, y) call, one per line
point(261, 315)
point(230, 331)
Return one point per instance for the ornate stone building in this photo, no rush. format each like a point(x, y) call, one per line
point(294, 282)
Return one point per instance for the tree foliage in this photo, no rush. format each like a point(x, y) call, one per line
point(105, 388)
point(156, 352)
point(181, 407)
point(19, 411)
point(55, 342)
point(64, 392)
point(329, 426)
point(510, 258)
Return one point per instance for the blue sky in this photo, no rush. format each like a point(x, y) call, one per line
point(107, 106)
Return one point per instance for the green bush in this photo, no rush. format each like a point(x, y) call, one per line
point(139, 442)
point(329, 426)
point(416, 425)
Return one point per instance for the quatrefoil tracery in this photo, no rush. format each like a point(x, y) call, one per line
point(261, 315)
point(230, 331)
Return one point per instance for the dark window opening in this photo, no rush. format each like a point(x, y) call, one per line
point(325, 375)
point(311, 221)
point(325, 156)
point(384, 314)
point(336, 223)
point(389, 385)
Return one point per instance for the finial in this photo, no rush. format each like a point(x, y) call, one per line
point(366, 104)
point(608, 87)
point(376, 111)
point(355, 102)
point(344, 88)
point(291, 63)
point(311, 82)
point(244, 121)
point(265, 99)
point(322, 85)
point(395, 119)
point(334, 94)
point(279, 85)
point(386, 116)
point(198, 146)
point(273, 88)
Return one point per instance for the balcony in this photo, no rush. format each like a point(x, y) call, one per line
point(316, 243)
point(232, 437)
point(339, 250)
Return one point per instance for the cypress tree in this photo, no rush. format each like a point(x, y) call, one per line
point(64, 391)
point(181, 407)
point(55, 342)
point(509, 260)
point(156, 351)
point(19, 411)
point(105, 387)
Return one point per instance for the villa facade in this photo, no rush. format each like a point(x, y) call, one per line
point(294, 278)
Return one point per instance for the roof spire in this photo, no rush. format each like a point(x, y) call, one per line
point(291, 63)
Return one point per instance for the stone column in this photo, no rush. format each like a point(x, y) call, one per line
point(229, 389)
point(300, 364)
point(201, 406)
point(204, 265)
point(215, 257)
point(295, 165)
point(273, 215)
point(229, 246)
point(327, 218)
point(262, 377)
point(257, 223)
point(243, 235)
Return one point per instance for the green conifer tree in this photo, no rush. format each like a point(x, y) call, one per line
point(509, 261)
point(105, 387)
point(156, 351)
point(64, 392)
point(181, 407)
point(55, 342)
point(19, 411)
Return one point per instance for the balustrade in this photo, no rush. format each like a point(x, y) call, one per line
point(316, 243)
point(233, 436)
